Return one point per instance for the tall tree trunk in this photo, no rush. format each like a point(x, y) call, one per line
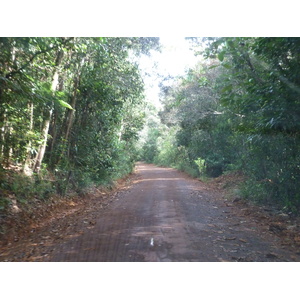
point(70, 113)
point(5, 135)
point(48, 115)
point(2, 119)
point(70, 117)
point(42, 148)
point(68, 121)
point(55, 134)
point(7, 150)
point(27, 165)
point(6, 129)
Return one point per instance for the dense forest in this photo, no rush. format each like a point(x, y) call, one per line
point(70, 113)
point(238, 111)
point(71, 110)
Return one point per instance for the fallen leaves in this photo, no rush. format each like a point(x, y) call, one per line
point(276, 227)
point(271, 255)
point(230, 238)
point(242, 240)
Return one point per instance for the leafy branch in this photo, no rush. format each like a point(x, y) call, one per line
point(31, 59)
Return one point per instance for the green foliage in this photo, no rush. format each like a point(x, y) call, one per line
point(184, 162)
point(201, 165)
point(4, 202)
point(69, 106)
point(264, 91)
point(25, 189)
point(149, 148)
point(239, 111)
point(65, 104)
point(166, 151)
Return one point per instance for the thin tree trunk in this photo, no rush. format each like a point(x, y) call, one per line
point(70, 117)
point(55, 134)
point(27, 166)
point(68, 121)
point(7, 151)
point(71, 113)
point(42, 148)
point(2, 119)
point(6, 130)
point(41, 152)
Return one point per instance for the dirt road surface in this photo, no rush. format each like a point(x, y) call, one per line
point(164, 216)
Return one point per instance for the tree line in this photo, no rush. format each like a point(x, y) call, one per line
point(236, 111)
point(70, 112)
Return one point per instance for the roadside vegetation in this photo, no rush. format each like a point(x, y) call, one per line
point(70, 113)
point(71, 110)
point(238, 112)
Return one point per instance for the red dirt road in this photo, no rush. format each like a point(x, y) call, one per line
point(165, 216)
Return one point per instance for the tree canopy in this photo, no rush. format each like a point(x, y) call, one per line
point(70, 108)
point(239, 111)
